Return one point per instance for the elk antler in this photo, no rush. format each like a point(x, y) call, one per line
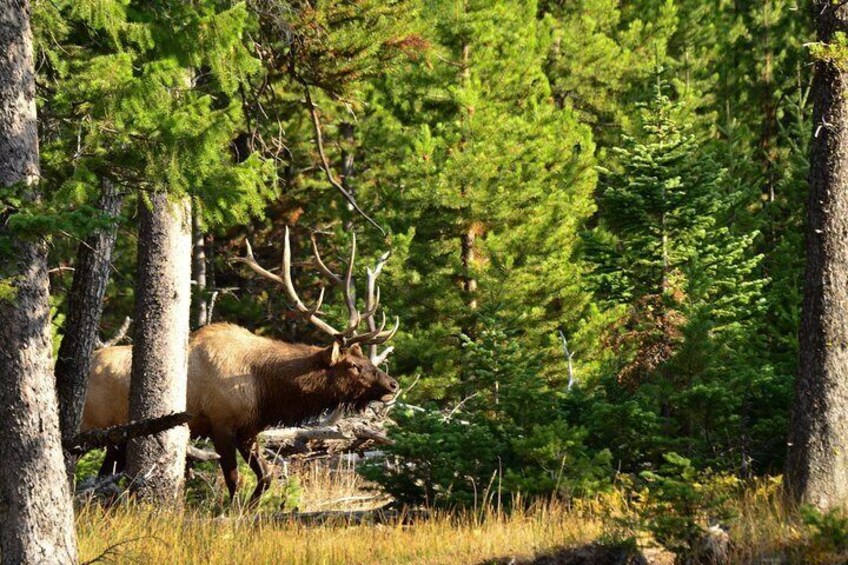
point(348, 336)
point(375, 336)
point(310, 313)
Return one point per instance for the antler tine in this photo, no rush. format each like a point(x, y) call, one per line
point(349, 296)
point(372, 302)
point(317, 308)
point(354, 318)
point(321, 265)
point(371, 305)
point(289, 286)
point(379, 359)
point(250, 261)
point(383, 337)
point(378, 336)
point(367, 336)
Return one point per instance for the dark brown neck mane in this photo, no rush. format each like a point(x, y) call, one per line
point(294, 385)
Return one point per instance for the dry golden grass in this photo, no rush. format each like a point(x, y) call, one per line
point(336, 486)
point(132, 533)
point(763, 532)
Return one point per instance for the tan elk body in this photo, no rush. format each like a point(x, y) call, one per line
point(240, 383)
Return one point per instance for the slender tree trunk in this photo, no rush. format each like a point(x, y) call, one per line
point(199, 268)
point(469, 283)
point(817, 466)
point(159, 364)
point(769, 109)
point(36, 516)
point(81, 328)
point(469, 235)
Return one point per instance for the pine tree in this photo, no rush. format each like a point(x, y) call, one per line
point(665, 252)
point(137, 104)
point(817, 470)
point(37, 511)
point(484, 183)
point(602, 54)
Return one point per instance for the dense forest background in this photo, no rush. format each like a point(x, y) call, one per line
point(626, 178)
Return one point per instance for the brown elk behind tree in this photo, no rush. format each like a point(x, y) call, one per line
point(240, 383)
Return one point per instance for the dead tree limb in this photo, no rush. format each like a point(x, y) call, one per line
point(285, 435)
point(93, 439)
point(325, 162)
point(568, 356)
point(197, 454)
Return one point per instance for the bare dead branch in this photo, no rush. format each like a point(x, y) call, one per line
point(197, 454)
point(568, 356)
point(93, 439)
point(325, 163)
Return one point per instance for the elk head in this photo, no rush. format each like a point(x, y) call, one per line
point(347, 366)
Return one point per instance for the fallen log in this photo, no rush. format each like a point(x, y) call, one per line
point(103, 487)
point(93, 439)
point(282, 436)
point(279, 436)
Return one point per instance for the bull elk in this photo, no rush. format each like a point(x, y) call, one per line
point(240, 383)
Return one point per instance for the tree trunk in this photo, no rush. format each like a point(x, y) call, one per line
point(81, 328)
point(469, 283)
point(469, 235)
point(817, 465)
point(36, 516)
point(199, 268)
point(160, 364)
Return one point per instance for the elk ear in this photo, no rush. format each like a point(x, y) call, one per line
point(356, 350)
point(334, 353)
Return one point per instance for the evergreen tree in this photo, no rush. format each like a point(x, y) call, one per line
point(484, 183)
point(664, 252)
point(602, 54)
point(37, 510)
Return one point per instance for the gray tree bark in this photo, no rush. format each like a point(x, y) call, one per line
point(36, 516)
point(160, 364)
point(199, 268)
point(81, 329)
point(817, 464)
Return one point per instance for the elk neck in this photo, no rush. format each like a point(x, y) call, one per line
point(294, 384)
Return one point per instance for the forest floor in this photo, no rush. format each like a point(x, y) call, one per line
point(597, 530)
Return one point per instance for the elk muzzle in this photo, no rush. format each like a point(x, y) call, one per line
point(389, 387)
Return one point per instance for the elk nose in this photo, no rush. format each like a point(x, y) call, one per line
point(393, 385)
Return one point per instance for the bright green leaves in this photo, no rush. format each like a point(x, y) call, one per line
point(834, 51)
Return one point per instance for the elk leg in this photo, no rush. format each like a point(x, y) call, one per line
point(225, 447)
point(249, 449)
point(115, 460)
